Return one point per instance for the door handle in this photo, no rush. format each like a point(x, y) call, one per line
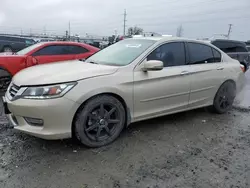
point(220, 68)
point(184, 72)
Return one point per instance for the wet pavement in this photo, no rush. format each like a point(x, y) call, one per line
point(243, 98)
point(190, 149)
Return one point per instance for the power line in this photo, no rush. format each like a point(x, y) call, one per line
point(197, 21)
point(165, 3)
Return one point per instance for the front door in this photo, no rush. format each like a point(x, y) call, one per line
point(161, 92)
point(53, 53)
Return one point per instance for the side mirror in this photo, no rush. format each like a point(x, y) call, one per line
point(153, 65)
point(31, 61)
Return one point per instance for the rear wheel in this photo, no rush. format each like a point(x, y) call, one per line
point(100, 122)
point(224, 98)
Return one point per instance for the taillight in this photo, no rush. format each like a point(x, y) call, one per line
point(243, 68)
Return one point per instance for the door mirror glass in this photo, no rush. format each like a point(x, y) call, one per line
point(153, 65)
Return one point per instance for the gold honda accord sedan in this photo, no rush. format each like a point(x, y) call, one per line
point(132, 80)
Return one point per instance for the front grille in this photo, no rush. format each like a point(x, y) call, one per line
point(13, 90)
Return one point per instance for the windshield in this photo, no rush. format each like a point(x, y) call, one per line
point(121, 53)
point(28, 49)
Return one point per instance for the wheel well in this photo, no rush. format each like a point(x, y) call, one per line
point(127, 111)
point(232, 81)
point(3, 69)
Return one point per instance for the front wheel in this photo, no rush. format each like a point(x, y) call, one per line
point(100, 122)
point(224, 98)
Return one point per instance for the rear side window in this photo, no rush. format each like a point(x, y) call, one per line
point(200, 53)
point(217, 55)
point(171, 54)
point(52, 50)
point(73, 49)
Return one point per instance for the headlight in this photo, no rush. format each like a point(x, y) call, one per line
point(47, 92)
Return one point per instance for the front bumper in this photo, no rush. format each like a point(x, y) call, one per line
point(57, 115)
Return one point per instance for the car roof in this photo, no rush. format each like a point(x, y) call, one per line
point(18, 37)
point(84, 45)
point(60, 42)
point(169, 38)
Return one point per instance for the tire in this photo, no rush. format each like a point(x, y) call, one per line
point(7, 49)
point(5, 79)
point(100, 122)
point(224, 98)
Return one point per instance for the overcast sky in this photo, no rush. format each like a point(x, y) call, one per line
point(199, 18)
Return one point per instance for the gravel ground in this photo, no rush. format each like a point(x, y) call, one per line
point(188, 150)
point(191, 149)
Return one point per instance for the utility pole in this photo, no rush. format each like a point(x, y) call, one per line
point(44, 30)
point(69, 30)
point(21, 32)
point(229, 30)
point(179, 32)
point(66, 35)
point(30, 32)
point(124, 22)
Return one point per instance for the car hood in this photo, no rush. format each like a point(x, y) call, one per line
point(61, 72)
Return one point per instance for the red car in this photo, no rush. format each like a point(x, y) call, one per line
point(41, 53)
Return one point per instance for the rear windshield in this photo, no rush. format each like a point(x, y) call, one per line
point(230, 47)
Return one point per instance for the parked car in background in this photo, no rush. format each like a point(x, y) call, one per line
point(14, 44)
point(235, 49)
point(41, 53)
point(129, 81)
point(248, 48)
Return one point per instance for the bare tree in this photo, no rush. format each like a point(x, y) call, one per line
point(135, 31)
point(179, 32)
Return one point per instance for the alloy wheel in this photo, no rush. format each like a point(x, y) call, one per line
point(226, 97)
point(101, 122)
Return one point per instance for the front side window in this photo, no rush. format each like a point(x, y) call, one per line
point(121, 53)
point(200, 53)
point(28, 49)
point(52, 50)
point(171, 54)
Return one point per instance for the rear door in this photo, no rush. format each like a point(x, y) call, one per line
point(53, 53)
point(207, 72)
